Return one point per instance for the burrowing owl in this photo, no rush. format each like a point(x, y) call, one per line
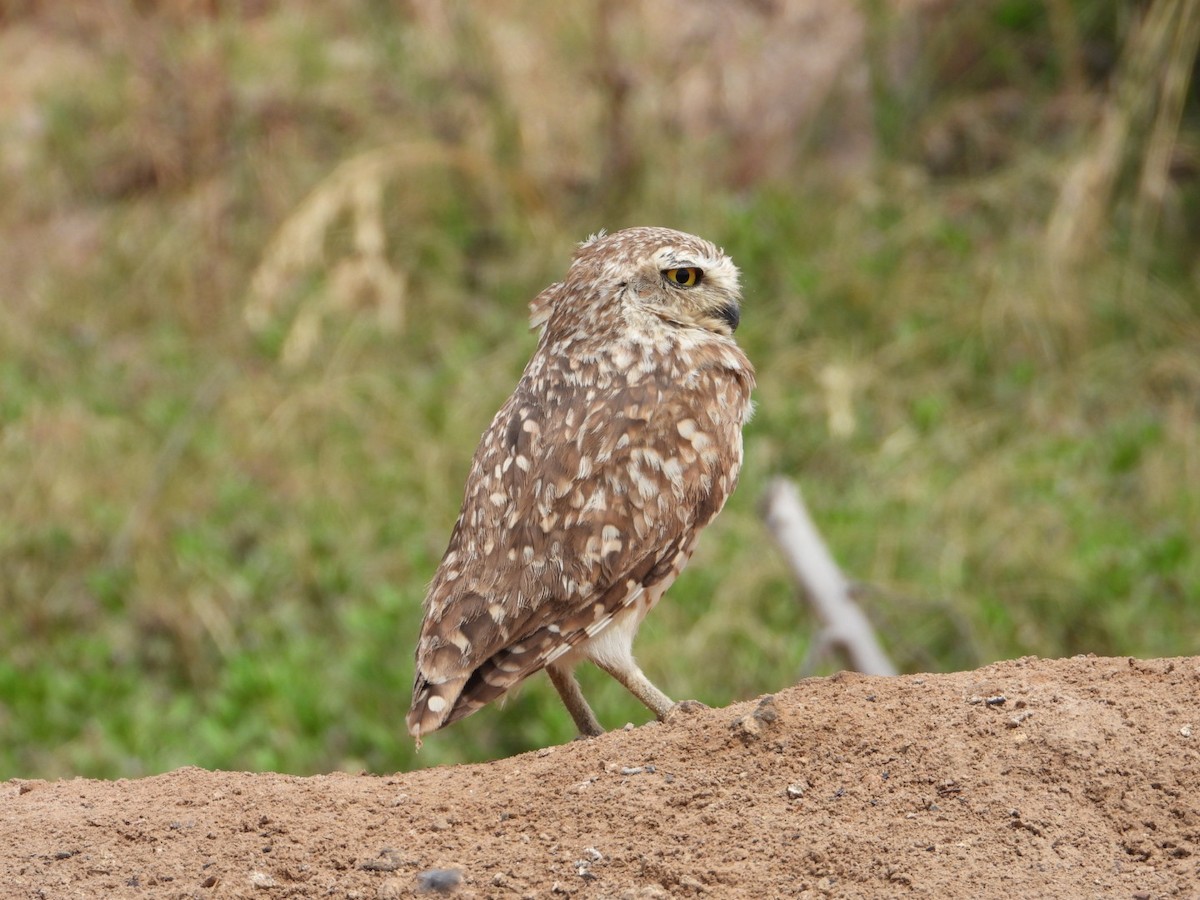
point(587, 492)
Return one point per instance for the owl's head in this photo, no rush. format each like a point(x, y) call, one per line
point(677, 278)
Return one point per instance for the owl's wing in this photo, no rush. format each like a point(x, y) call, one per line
point(579, 499)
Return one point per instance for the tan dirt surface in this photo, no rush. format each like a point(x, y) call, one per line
point(1030, 778)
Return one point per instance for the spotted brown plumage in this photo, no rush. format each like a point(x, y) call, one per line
point(622, 440)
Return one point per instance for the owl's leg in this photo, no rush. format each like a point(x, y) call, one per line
point(629, 674)
point(564, 682)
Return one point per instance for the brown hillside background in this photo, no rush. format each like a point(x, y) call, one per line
point(1030, 778)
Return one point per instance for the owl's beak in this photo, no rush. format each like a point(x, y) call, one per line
point(731, 315)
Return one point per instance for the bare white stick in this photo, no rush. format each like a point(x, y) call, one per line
point(844, 625)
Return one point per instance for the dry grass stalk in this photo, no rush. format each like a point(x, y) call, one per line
point(365, 274)
point(1150, 86)
point(1160, 146)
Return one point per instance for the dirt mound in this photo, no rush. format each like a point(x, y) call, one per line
point(1077, 777)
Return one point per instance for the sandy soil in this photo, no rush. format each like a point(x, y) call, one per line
point(1030, 778)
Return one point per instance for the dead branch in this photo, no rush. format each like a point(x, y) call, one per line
point(844, 626)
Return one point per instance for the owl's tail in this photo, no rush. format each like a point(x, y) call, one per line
point(437, 704)
point(432, 704)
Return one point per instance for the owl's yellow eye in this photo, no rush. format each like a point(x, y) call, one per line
point(688, 277)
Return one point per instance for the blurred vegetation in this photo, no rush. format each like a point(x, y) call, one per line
point(263, 280)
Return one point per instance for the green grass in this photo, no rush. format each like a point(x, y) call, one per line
point(215, 538)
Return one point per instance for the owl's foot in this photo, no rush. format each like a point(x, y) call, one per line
point(684, 708)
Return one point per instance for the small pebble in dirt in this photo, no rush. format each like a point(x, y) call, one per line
point(795, 791)
point(1186, 730)
point(998, 700)
point(441, 881)
point(637, 770)
point(751, 727)
point(388, 860)
point(766, 712)
point(583, 867)
point(262, 880)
